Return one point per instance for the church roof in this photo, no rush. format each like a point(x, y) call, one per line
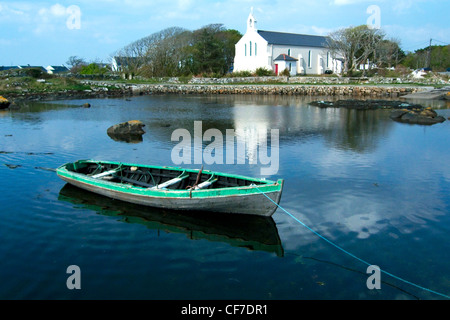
point(293, 39)
point(285, 57)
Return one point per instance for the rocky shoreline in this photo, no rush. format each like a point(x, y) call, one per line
point(107, 89)
point(16, 98)
point(278, 89)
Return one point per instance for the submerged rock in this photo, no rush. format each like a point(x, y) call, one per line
point(424, 117)
point(4, 103)
point(402, 111)
point(13, 166)
point(130, 131)
point(364, 104)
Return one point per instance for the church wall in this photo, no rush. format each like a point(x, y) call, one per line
point(246, 58)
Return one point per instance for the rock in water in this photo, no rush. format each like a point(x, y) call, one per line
point(129, 127)
point(425, 117)
point(4, 103)
point(401, 111)
point(130, 131)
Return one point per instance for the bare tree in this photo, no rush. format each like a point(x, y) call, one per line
point(176, 51)
point(167, 51)
point(154, 55)
point(388, 53)
point(75, 63)
point(355, 44)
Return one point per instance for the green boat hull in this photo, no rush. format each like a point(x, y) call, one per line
point(175, 188)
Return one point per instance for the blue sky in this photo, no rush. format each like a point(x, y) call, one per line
point(49, 32)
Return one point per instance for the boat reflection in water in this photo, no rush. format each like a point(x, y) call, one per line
point(246, 231)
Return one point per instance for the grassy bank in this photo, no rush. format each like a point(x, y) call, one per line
point(28, 86)
point(19, 85)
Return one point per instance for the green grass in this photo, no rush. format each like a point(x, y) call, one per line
point(17, 85)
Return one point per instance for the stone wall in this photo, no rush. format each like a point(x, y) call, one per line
point(310, 90)
point(314, 80)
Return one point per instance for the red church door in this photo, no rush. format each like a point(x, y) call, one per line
point(276, 69)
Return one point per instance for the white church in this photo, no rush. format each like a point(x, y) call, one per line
point(301, 54)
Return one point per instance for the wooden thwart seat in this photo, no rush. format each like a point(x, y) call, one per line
point(139, 183)
point(206, 183)
point(106, 173)
point(164, 185)
point(170, 182)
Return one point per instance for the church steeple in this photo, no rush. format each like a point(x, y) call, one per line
point(251, 22)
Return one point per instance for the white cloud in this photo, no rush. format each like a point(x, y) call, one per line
point(404, 6)
point(111, 23)
point(58, 10)
point(11, 11)
point(322, 31)
point(55, 10)
point(50, 19)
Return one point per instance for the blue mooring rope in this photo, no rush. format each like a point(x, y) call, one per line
point(348, 253)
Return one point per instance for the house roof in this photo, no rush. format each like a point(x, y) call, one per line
point(4, 68)
point(285, 57)
point(125, 61)
point(293, 39)
point(33, 67)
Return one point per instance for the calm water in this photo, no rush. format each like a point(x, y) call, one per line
point(377, 188)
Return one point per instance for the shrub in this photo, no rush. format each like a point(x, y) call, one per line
point(93, 69)
point(36, 73)
point(241, 74)
point(185, 79)
point(285, 72)
point(263, 72)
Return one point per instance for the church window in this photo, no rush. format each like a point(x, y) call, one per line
point(245, 50)
point(309, 59)
point(256, 48)
point(250, 48)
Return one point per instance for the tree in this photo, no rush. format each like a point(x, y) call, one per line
point(355, 44)
point(213, 49)
point(154, 55)
point(166, 54)
point(388, 53)
point(176, 51)
point(75, 63)
point(436, 57)
point(207, 50)
point(229, 37)
point(93, 69)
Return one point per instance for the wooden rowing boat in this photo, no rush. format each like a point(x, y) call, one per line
point(175, 188)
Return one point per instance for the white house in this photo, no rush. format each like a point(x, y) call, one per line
point(283, 61)
point(56, 69)
point(300, 53)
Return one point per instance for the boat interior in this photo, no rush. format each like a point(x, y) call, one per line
point(157, 177)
